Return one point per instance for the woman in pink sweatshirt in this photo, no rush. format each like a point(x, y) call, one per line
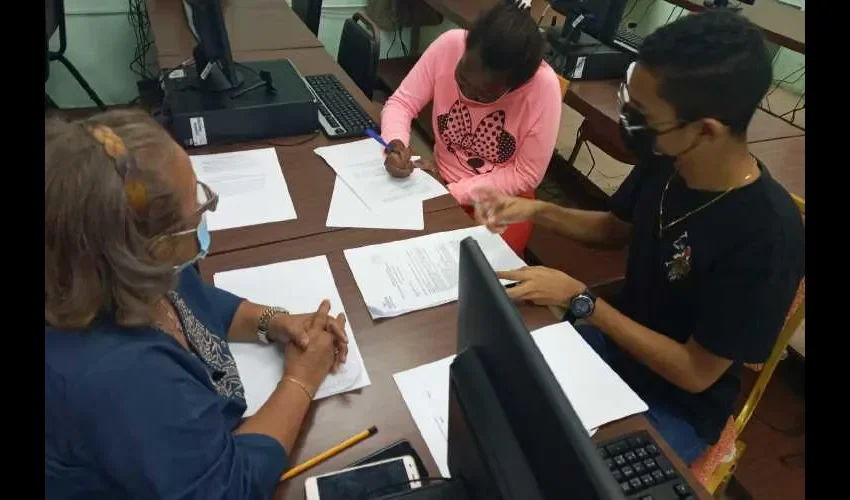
point(497, 107)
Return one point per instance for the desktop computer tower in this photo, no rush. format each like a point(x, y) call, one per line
point(588, 59)
point(197, 117)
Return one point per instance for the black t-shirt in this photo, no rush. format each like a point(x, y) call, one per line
point(725, 275)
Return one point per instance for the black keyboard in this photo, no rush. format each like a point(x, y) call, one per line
point(339, 114)
point(642, 470)
point(629, 40)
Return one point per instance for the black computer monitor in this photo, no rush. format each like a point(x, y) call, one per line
point(213, 59)
point(602, 17)
point(512, 432)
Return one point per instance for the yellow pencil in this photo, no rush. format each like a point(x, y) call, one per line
point(348, 443)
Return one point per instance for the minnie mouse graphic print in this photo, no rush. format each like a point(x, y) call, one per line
point(490, 144)
point(506, 144)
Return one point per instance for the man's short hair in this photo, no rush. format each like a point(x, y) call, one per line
point(713, 64)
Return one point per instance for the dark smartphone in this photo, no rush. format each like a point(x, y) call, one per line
point(400, 448)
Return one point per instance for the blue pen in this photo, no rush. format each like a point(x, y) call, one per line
point(374, 135)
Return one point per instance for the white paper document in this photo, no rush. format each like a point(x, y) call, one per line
point(409, 275)
point(361, 165)
point(347, 210)
point(298, 286)
point(597, 394)
point(250, 186)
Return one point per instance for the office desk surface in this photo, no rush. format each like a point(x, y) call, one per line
point(388, 346)
point(782, 24)
point(251, 25)
point(309, 178)
point(597, 100)
point(786, 160)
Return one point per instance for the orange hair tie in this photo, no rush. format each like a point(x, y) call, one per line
point(115, 148)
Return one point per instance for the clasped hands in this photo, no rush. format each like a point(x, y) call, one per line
point(304, 329)
point(537, 284)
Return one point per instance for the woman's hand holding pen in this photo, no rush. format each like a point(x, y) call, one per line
point(397, 161)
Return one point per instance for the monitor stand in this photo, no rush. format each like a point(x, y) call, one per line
point(211, 78)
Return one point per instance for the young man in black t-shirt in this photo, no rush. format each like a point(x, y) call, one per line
point(716, 245)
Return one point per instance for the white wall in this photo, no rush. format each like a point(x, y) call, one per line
point(101, 45)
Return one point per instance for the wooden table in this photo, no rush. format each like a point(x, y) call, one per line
point(251, 25)
point(782, 24)
point(388, 346)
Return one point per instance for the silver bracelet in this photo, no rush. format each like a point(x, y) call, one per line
point(265, 319)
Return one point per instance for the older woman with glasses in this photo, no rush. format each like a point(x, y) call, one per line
point(142, 395)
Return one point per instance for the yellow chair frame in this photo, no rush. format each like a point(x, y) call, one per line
point(719, 479)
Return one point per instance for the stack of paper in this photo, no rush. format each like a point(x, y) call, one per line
point(298, 286)
point(250, 186)
point(597, 394)
point(408, 275)
point(368, 196)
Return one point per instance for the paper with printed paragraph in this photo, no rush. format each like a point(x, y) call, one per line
point(250, 186)
point(418, 273)
point(360, 165)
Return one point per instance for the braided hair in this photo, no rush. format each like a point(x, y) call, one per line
point(713, 64)
point(508, 40)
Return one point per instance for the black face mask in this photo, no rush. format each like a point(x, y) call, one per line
point(637, 138)
point(640, 139)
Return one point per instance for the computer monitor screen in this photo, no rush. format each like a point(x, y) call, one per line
point(602, 17)
point(213, 58)
point(555, 444)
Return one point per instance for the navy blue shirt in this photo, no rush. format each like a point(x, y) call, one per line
point(130, 413)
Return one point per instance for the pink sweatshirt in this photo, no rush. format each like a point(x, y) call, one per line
point(506, 145)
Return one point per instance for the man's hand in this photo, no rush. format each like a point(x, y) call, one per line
point(542, 286)
point(397, 161)
point(497, 210)
point(294, 327)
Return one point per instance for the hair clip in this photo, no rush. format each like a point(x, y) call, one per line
point(126, 167)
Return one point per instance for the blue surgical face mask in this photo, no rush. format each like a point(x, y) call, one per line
point(202, 234)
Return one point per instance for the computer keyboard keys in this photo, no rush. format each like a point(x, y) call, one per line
point(619, 461)
point(651, 449)
point(666, 467)
point(630, 456)
point(617, 448)
point(626, 487)
point(639, 468)
point(637, 441)
point(627, 471)
point(681, 490)
point(641, 453)
point(647, 480)
point(658, 475)
point(636, 483)
point(649, 463)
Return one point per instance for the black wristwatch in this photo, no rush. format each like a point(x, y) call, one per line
point(581, 306)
